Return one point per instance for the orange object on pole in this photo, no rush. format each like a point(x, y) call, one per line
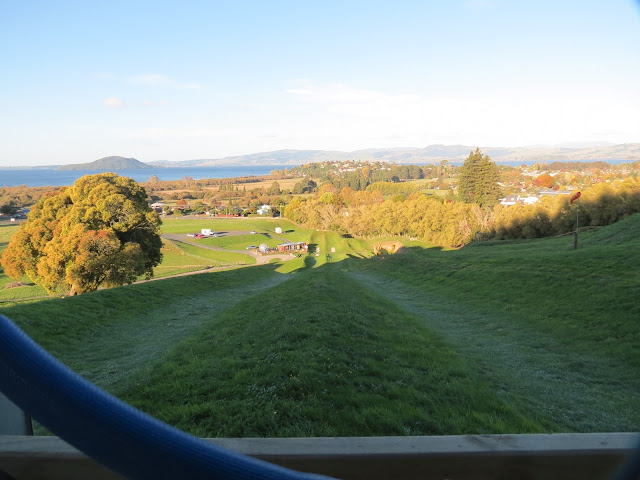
point(574, 197)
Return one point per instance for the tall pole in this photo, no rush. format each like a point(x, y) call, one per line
point(573, 198)
point(575, 234)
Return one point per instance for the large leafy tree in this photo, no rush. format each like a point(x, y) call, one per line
point(98, 232)
point(479, 180)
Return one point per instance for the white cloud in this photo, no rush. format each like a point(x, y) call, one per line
point(114, 103)
point(326, 113)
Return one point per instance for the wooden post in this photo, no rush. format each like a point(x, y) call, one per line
point(575, 240)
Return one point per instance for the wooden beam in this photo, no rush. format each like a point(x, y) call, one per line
point(548, 457)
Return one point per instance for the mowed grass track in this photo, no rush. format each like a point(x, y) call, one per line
point(558, 327)
point(319, 356)
point(497, 338)
point(108, 336)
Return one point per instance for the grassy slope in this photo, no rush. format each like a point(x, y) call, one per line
point(179, 257)
point(509, 337)
point(109, 335)
point(320, 357)
point(554, 326)
point(586, 298)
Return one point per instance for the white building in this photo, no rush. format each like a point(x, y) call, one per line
point(264, 209)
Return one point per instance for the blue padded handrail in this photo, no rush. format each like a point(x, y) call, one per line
point(115, 434)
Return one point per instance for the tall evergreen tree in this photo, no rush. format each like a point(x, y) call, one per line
point(479, 180)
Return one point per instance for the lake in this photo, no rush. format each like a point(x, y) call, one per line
point(55, 178)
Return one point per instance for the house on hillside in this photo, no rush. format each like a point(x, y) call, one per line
point(264, 210)
point(293, 246)
point(510, 200)
point(518, 200)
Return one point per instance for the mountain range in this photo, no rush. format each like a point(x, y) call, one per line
point(430, 154)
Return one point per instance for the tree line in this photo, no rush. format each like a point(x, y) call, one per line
point(14, 198)
point(475, 214)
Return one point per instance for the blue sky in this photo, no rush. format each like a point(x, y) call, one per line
point(171, 80)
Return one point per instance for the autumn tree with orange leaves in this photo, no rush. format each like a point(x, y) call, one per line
point(98, 232)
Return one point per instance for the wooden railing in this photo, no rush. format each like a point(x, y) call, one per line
point(478, 457)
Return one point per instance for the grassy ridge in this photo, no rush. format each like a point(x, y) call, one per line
point(133, 326)
point(587, 298)
point(498, 337)
point(319, 356)
point(554, 326)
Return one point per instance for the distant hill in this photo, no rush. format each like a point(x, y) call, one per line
point(108, 164)
point(278, 157)
point(429, 154)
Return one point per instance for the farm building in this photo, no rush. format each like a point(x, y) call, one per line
point(289, 247)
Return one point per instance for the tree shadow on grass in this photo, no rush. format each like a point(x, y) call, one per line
point(309, 262)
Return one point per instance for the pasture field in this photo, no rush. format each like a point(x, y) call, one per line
point(234, 233)
point(286, 184)
point(497, 337)
point(178, 257)
point(259, 224)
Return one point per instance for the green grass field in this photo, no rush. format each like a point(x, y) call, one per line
point(264, 228)
point(179, 257)
point(497, 337)
point(195, 224)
